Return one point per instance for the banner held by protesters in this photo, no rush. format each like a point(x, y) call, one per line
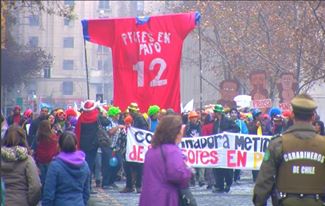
point(224, 150)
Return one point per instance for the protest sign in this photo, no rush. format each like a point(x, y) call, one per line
point(224, 150)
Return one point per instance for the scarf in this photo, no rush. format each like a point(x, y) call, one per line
point(86, 117)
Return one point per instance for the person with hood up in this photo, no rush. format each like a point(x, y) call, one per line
point(18, 170)
point(68, 176)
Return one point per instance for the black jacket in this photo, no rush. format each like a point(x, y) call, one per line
point(139, 121)
point(225, 125)
point(88, 133)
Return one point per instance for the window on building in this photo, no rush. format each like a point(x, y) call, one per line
point(108, 88)
point(104, 5)
point(99, 88)
point(67, 88)
point(31, 88)
point(102, 64)
point(69, 3)
point(33, 41)
point(68, 22)
point(102, 49)
point(68, 64)
point(167, 4)
point(31, 92)
point(105, 65)
point(33, 20)
point(47, 73)
point(68, 42)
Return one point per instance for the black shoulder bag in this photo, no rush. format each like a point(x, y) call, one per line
point(186, 197)
point(104, 139)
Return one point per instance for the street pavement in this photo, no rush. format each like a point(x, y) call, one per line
point(240, 195)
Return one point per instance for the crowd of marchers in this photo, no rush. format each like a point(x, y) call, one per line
point(57, 158)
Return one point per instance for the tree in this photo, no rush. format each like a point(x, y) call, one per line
point(277, 37)
point(35, 6)
point(21, 62)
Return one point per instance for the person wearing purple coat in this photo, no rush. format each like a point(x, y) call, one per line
point(162, 179)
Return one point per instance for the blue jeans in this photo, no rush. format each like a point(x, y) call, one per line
point(43, 170)
point(98, 166)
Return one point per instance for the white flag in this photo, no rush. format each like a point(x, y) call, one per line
point(189, 106)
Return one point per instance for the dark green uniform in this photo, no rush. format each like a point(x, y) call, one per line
point(293, 168)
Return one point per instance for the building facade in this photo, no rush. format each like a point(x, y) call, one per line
point(65, 83)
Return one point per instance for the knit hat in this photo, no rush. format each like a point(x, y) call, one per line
point(28, 113)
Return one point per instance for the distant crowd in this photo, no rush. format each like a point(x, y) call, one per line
point(58, 156)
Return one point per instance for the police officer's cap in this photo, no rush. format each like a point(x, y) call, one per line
point(303, 103)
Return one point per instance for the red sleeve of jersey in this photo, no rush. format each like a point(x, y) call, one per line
point(100, 31)
point(184, 23)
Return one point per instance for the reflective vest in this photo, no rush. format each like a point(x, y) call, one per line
point(302, 170)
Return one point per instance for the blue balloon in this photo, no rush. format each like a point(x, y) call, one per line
point(113, 162)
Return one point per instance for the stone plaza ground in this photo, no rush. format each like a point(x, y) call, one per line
point(240, 195)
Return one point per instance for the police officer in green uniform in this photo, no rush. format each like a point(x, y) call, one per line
point(293, 167)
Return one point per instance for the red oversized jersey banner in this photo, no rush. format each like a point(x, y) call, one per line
point(146, 56)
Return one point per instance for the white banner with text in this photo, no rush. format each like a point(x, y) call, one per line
point(224, 150)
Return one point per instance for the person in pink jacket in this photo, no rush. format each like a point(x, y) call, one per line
point(165, 171)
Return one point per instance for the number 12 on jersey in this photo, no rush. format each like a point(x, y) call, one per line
point(155, 82)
